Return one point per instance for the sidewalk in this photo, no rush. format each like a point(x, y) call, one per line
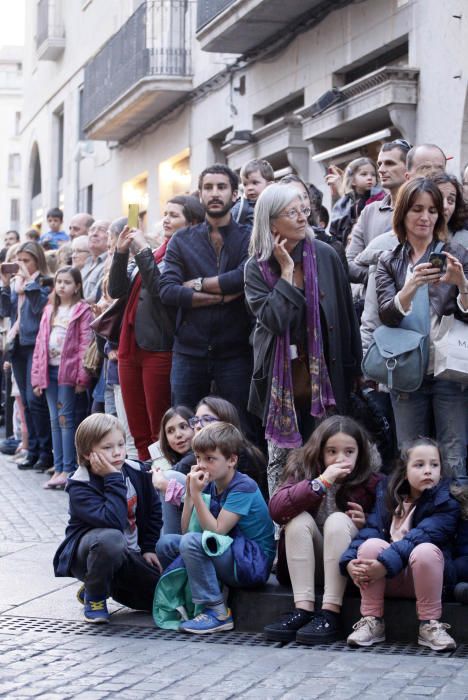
point(46, 650)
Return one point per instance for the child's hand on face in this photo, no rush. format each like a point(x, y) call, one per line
point(356, 513)
point(198, 478)
point(100, 465)
point(337, 471)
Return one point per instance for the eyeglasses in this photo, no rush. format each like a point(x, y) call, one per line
point(75, 252)
point(294, 213)
point(202, 421)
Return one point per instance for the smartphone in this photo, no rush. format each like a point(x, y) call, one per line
point(9, 268)
point(133, 211)
point(439, 261)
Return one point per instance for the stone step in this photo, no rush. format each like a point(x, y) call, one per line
point(253, 609)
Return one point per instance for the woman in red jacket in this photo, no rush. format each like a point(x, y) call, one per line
point(326, 488)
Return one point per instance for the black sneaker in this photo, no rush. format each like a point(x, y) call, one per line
point(285, 629)
point(324, 628)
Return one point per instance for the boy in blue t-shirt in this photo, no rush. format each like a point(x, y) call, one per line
point(54, 238)
point(225, 502)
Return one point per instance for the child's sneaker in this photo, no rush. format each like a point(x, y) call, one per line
point(285, 629)
point(95, 609)
point(433, 634)
point(324, 628)
point(367, 631)
point(80, 594)
point(208, 622)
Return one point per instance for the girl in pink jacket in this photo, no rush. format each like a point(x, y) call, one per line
point(57, 367)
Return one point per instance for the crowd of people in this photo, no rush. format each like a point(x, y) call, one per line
point(202, 397)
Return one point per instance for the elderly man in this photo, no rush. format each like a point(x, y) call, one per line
point(80, 224)
point(93, 270)
point(80, 252)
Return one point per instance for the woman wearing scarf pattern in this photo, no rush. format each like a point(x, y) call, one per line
point(298, 292)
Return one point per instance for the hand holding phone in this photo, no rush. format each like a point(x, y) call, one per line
point(438, 261)
point(9, 268)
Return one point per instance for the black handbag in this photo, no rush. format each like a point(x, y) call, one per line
point(109, 323)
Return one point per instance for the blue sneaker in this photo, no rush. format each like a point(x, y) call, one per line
point(95, 609)
point(208, 622)
point(80, 594)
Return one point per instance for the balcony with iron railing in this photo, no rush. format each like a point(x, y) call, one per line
point(50, 32)
point(239, 26)
point(143, 70)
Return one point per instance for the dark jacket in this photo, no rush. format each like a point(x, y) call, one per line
point(435, 520)
point(390, 278)
point(154, 322)
point(36, 298)
point(294, 498)
point(347, 209)
point(100, 502)
point(220, 330)
point(284, 305)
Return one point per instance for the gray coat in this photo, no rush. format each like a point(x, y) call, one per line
point(284, 305)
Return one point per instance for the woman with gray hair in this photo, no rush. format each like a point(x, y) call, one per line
point(306, 344)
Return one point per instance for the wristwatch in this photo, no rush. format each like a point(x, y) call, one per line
point(317, 486)
point(198, 284)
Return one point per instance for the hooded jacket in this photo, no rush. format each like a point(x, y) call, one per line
point(77, 339)
point(101, 502)
point(435, 520)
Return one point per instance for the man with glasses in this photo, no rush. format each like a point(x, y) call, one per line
point(204, 278)
point(80, 252)
point(376, 218)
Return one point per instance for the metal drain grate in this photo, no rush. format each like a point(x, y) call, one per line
point(18, 625)
point(387, 648)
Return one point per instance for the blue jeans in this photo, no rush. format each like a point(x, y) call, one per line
point(192, 378)
point(35, 407)
point(203, 571)
point(437, 402)
point(61, 400)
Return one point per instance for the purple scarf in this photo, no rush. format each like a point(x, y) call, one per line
point(282, 428)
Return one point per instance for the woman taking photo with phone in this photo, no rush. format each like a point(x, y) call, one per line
point(23, 295)
point(147, 335)
point(419, 224)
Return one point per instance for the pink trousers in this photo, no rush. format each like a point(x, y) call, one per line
point(422, 579)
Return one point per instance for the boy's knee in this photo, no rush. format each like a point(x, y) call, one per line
point(426, 552)
point(191, 542)
point(372, 547)
point(111, 544)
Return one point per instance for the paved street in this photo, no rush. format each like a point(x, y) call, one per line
point(47, 652)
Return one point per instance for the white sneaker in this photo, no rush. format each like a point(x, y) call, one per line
point(433, 634)
point(368, 630)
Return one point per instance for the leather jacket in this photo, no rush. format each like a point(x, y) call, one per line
point(391, 276)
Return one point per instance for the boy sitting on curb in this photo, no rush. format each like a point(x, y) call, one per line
point(225, 503)
point(115, 520)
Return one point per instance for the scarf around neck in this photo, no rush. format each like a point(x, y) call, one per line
point(282, 426)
